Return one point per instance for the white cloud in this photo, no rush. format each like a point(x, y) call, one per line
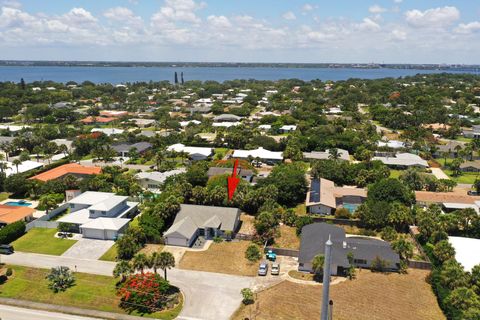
point(80, 16)
point(219, 21)
point(369, 24)
point(307, 7)
point(467, 28)
point(432, 18)
point(399, 34)
point(376, 9)
point(289, 15)
point(11, 4)
point(398, 1)
point(124, 16)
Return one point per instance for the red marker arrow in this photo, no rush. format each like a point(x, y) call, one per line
point(233, 181)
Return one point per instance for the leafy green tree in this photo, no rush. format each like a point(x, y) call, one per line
point(253, 253)
point(463, 298)
point(389, 234)
point(247, 296)
point(443, 251)
point(404, 248)
point(301, 222)
point(390, 190)
point(140, 262)
point(60, 279)
point(266, 224)
point(453, 276)
point(197, 174)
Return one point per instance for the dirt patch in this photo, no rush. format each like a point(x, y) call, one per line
point(247, 226)
point(224, 257)
point(151, 248)
point(372, 296)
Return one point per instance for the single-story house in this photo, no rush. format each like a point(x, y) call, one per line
point(466, 251)
point(403, 160)
point(324, 198)
point(323, 155)
point(261, 153)
point(152, 181)
point(108, 131)
point(287, 128)
point(23, 167)
point(10, 214)
point(123, 149)
point(227, 118)
point(226, 124)
point(207, 221)
point(184, 124)
point(470, 166)
point(114, 212)
point(74, 169)
point(245, 174)
point(195, 153)
point(99, 120)
point(201, 109)
point(394, 144)
point(450, 148)
point(144, 123)
point(364, 250)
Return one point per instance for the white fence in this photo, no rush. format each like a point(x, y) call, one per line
point(43, 222)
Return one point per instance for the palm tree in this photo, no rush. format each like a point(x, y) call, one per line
point(140, 262)
point(37, 150)
point(48, 201)
point(166, 260)
point(334, 154)
point(123, 269)
point(16, 163)
point(159, 157)
point(318, 263)
point(5, 147)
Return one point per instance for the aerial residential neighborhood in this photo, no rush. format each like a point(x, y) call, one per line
point(150, 168)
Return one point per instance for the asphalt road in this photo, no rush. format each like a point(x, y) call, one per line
point(207, 295)
point(15, 313)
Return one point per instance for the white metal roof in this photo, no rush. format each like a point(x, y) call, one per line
point(467, 251)
point(108, 204)
point(91, 197)
point(106, 224)
point(260, 153)
point(190, 150)
point(158, 176)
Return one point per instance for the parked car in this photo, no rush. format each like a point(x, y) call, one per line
point(275, 269)
point(472, 193)
point(272, 256)
point(263, 269)
point(6, 249)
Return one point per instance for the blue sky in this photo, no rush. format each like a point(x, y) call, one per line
point(390, 31)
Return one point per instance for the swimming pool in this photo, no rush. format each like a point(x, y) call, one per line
point(351, 206)
point(18, 203)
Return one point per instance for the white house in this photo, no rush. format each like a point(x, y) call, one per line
point(403, 160)
point(108, 131)
point(261, 153)
point(195, 153)
point(287, 128)
point(100, 215)
point(23, 167)
point(466, 251)
point(226, 124)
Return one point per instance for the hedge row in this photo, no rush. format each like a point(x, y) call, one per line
point(12, 232)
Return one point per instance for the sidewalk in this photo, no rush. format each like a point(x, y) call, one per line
point(68, 310)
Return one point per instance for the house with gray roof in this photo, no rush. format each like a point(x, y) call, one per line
point(325, 155)
point(152, 181)
point(227, 118)
point(403, 161)
point(193, 221)
point(123, 149)
point(364, 249)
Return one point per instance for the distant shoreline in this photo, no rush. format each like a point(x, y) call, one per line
point(445, 67)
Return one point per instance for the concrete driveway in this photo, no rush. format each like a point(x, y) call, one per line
point(88, 249)
point(439, 174)
point(208, 296)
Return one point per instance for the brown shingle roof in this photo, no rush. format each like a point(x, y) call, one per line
point(444, 197)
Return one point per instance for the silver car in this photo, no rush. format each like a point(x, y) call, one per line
point(263, 269)
point(275, 269)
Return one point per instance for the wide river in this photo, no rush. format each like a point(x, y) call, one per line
point(117, 75)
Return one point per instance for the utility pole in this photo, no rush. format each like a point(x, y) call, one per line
point(326, 280)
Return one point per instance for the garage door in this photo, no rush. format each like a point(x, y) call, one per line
point(173, 241)
point(93, 234)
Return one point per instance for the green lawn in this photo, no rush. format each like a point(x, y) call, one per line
point(4, 196)
point(395, 173)
point(110, 255)
point(465, 177)
point(462, 138)
point(40, 240)
point(90, 292)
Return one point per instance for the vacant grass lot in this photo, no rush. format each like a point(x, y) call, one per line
point(465, 177)
point(224, 257)
point(372, 296)
point(90, 291)
point(288, 238)
point(40, 240)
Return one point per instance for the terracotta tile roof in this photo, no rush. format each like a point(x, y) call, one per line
point(11, 214)
point(444, 197)
point(70, 168)
point(90, 119)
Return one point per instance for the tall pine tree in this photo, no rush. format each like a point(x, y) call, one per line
point(22, 84)
point(181, 78)
point(176, 78)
